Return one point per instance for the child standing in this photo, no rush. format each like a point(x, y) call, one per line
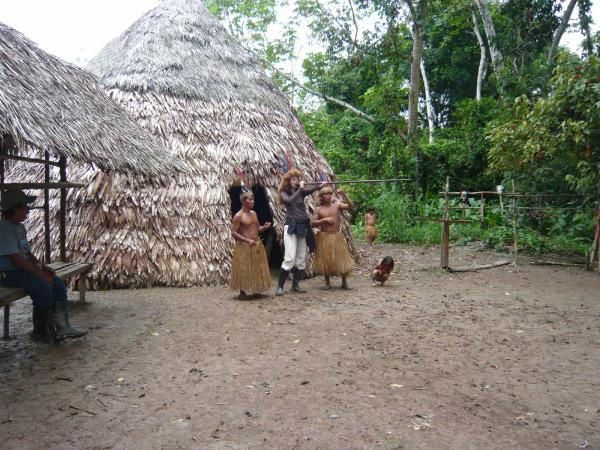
point(332, 256)
point(249, 269)
point(370, 226)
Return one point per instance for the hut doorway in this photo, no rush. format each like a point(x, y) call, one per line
point(263, 211)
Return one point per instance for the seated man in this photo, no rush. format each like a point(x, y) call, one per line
point(19, 268)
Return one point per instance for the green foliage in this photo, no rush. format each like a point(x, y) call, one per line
point(534, 126)
point(556, 137)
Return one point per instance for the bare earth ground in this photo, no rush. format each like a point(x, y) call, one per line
point(500, 359)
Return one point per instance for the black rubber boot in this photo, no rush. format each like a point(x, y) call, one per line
point(44, 329)
point(283, 274)
point(64, 329)
point(298, 275)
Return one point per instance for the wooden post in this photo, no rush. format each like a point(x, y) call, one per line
point(2, 164)
point(48, 253)
point(514, 208)
point(481, 211)
point(445, 239)
point(83, 280)
point(6, 321)
point(63, 210)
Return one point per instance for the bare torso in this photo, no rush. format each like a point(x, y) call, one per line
point(331, 211)
point(247, 224)
point(370, 219)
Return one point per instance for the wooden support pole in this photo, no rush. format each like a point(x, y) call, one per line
point(48, 250)
point(514, 207)
point(63, 210)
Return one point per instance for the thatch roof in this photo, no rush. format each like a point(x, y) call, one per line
point(179, 49)
point(182, 77)
point(47, 104)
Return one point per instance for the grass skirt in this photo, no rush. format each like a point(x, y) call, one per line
point(250, 269)
point(371, 232)
point(332, 256)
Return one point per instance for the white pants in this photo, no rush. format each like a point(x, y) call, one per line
point(295, 251)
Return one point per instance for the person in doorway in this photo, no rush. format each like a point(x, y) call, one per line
point(296, 230)
point(250, 268)
point(371, 226)
point(332, 256)
point(19, 268)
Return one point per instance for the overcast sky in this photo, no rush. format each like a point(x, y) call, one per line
point(75, 30)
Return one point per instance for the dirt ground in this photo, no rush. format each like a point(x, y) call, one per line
point(505, 358)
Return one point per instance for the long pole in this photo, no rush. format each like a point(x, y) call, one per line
point(387, 180)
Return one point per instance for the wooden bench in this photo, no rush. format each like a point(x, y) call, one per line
point(64, 271)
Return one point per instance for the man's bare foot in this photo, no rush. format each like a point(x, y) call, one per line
point(326, 287)
point(242, 296)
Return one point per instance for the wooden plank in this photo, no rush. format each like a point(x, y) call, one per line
point(63, 271)
point(9, 295)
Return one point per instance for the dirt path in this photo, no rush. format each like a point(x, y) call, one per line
point(500, 359)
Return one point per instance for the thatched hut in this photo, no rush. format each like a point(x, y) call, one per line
point(47, 104)
point(185, 79)
point(52, 112)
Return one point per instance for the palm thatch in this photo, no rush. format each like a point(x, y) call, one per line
point(47, 104)
point(182, 77)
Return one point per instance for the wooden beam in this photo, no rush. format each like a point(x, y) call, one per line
point(41, 186)
point(46, 162)
point(435, 219)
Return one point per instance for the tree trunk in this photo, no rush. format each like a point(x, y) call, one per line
point(482, 59)
point(417, 14)
point(428, 103)
point(490, 33)
point(564, 23)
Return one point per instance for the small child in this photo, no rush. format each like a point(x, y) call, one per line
point(382, 271)
point(370, 226)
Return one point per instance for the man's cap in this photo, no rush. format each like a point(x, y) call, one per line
point(13, 198)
